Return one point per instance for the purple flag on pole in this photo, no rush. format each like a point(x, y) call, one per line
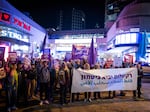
point(44, 43)
point(73, 51)
point(92, 55)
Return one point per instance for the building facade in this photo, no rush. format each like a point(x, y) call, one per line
point(129, 35)
point(60, 42)
point(78, 19)
point(18, 33)
point(71, 20)
point(112, 10)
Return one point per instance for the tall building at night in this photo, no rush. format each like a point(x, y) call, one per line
point(71, 20)
point(112, 10)
point(78, 20)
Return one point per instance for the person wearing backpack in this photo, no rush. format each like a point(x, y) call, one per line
point(63, 79)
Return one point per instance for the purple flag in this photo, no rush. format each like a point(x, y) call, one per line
point(68, 56)
point(44, 43)
point(92, 55)
point(73, 51)
point(2, 52)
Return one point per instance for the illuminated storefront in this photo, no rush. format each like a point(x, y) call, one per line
point(124, 44)
point(129, 35)
point(61, 42)
point(19, 33)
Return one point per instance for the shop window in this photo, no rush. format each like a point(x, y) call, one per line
point(129, 38)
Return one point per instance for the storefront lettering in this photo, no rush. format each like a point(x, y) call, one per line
point(8, 18)
point(21, 24)
point(13, 35)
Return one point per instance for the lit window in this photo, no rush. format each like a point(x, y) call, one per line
point(128, 38)
point(123, 39)
point(133, 37)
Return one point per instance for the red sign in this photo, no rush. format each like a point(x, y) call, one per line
point(21, 24)
point(5, 17)
point(12, 57)
point(128, 58)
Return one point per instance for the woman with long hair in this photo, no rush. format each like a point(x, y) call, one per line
point(11, 86)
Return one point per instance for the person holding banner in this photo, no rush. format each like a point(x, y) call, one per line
point(76, 66)
point(87, 94)
point(139, 81)
point(97, 94)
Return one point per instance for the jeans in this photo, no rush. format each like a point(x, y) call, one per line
point(11, 96)
point(44, 88)
point(63, 94)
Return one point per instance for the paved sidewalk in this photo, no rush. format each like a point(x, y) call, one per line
point(118, 104)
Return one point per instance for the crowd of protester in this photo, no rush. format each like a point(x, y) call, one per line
point(40, 79)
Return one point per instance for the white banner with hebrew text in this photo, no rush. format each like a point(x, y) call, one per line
point(104, 80)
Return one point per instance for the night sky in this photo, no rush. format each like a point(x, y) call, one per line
point(44, 11)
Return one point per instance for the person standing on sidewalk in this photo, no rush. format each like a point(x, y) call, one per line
point(63, 79)
point(44, 83)
point(76, 65)
point(52, 82)
point(32, 81)
point(97, 94)
point(139, 81)
point(87, 94)
point(11, 86)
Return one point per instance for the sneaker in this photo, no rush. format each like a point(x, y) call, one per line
point(41, 103)
point(9, 110)
point(85, 100)
point(46, 102)
point(14, 108)
point(34, 97)
point(140, 99)
point(90, 100)
point(134, 97)
point(63, 104)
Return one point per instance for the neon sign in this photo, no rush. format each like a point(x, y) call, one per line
point(5, 17)
point(21, 24)
point(14, 35)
